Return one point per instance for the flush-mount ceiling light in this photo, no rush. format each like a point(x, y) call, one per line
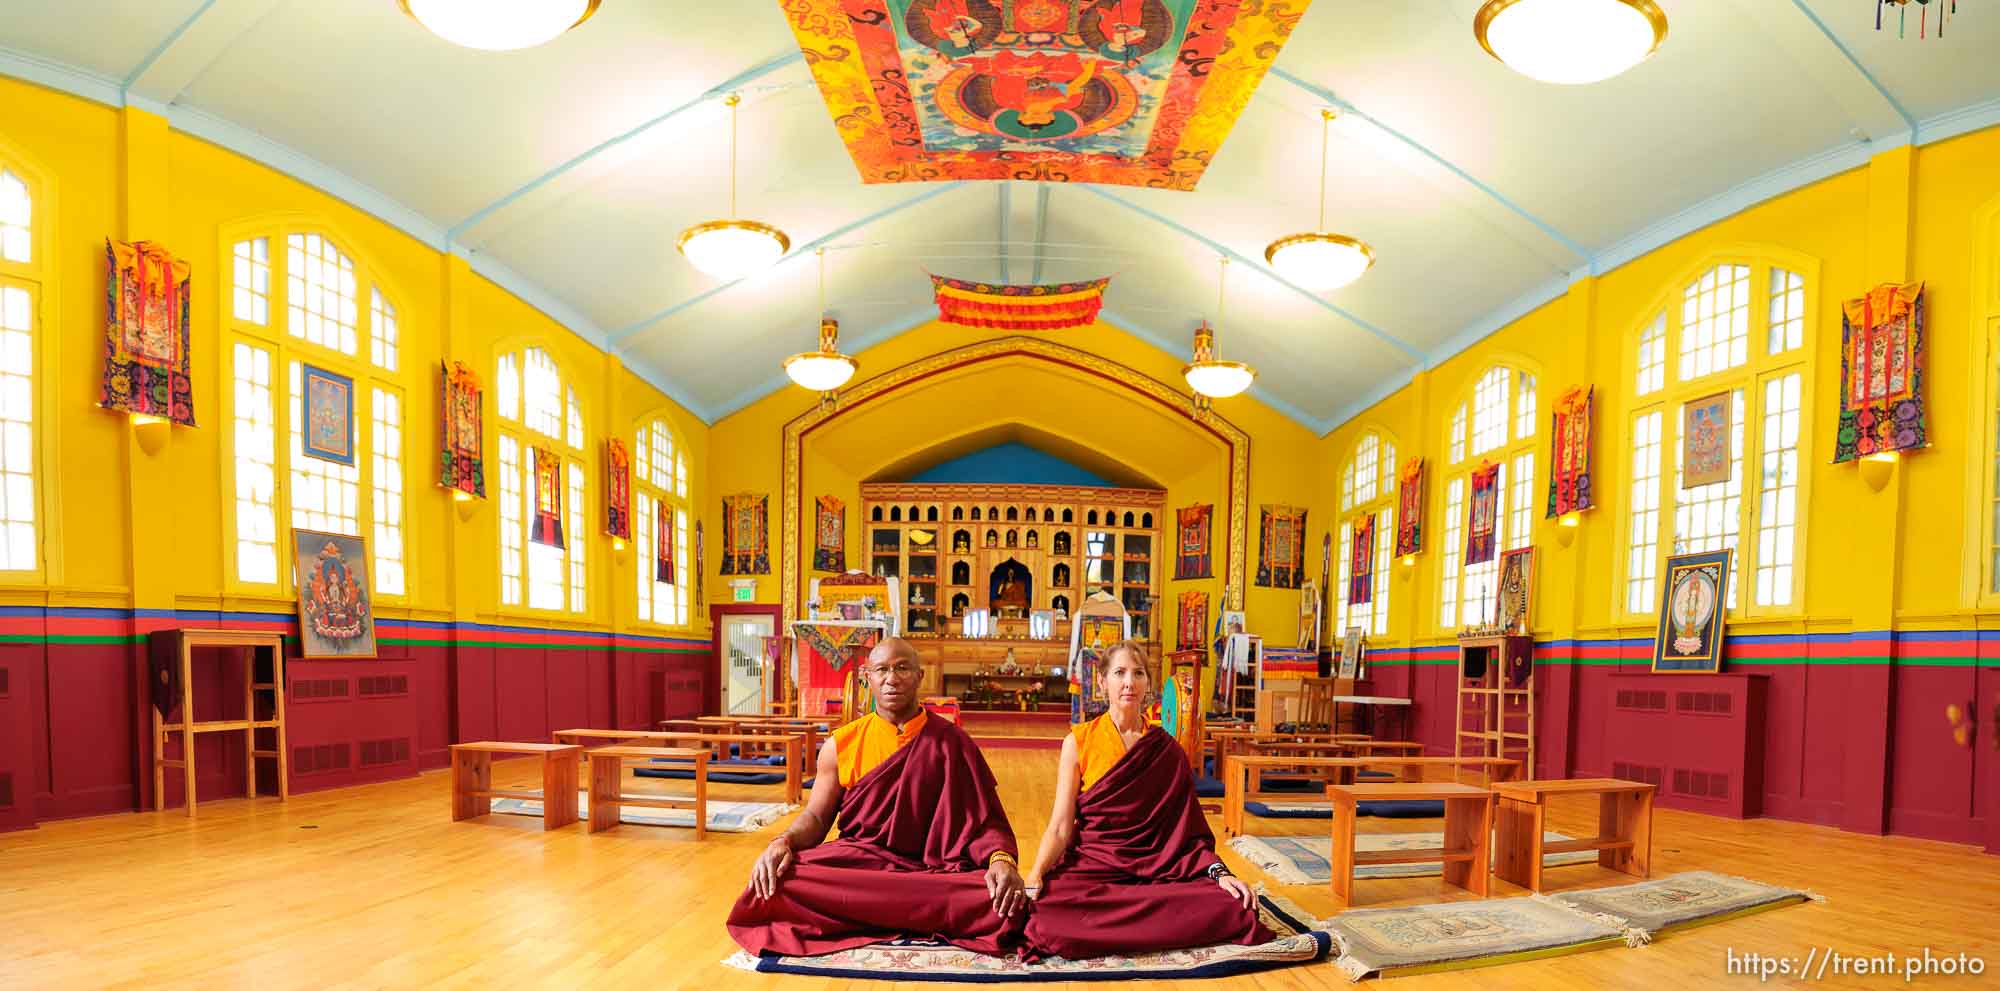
point(1319, 260)
point(731, 249)
point(826, 369)
point(498, 25)
point(1208, 376)
point(1570, 41)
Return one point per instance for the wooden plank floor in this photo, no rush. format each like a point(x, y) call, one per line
point(376, 887)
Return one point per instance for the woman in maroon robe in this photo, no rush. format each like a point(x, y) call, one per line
point(1128, 864)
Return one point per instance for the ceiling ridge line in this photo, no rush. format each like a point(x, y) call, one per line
point(1909, 120)
point(125, 85)
point(799, 252)
point(757, 71)
point(1409, 350)
point(1544, 226)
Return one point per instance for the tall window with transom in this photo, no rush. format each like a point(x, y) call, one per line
point(21, 281)
point(1367, 489)
point(660, 478)
point(538, 411)
point(1495, 424)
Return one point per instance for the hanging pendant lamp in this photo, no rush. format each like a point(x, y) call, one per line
point(1208, 376)
point(1570, 41)
point(1319, 260)
point(732, 249)
point(824, 371)
point(498, 25)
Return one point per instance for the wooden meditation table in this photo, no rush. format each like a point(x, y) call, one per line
point(607, 782)
point(1243, 776)
point(793, 749)
point(1624, 840)
point(472, 779)
point(1468, 828)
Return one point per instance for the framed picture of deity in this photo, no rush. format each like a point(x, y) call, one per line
point(336, 615)
point(328, 412)
point(1693, 607)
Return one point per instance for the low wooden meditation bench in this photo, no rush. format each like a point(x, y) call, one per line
point(607, 784)
point(793, 749)
point(1243, 775)
point(472, 788)
point(1624, 840)
point(1468, 828)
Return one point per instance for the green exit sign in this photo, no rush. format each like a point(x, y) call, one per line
point(746, 593)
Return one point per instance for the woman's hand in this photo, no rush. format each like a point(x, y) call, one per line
point(1237, 889)
point(771, 867)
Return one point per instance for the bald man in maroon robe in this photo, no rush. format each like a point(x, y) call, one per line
point(925, 850)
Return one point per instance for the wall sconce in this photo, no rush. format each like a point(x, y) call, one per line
point(465, 503)
point(620, 550)
point(151, 432)
point(1878, 468)
point(1409, 567)
point(1566, 525)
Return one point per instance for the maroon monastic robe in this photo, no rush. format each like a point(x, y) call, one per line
point(1133, 880)
point(916, 833)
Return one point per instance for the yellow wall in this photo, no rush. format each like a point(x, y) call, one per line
point(1905, 216)
point(124, 174)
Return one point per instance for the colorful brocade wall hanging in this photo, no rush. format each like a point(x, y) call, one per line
point(1281, 558)
point(1193, 626)
point(698, 592)
point(663, 544)
point(1569, 461)
point(1005, 307)
point(617, 489)
point(1482, 514)
point(146, 362)
point(1191, 557)
point(1882, 373)
point(746, 534)
point(830, 530)
point(546, 525)
point(1410, 507)
point(1361, 561)
point(461, 463)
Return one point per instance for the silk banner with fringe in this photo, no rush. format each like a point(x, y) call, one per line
point(146, 363)
point(1007, 307)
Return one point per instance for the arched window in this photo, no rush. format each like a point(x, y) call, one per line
point(1494, 425)
point(21, 280)
point(1733, 331)
point(1367, 489)
point(353, 484)
point(659, 472)
point(541, 424)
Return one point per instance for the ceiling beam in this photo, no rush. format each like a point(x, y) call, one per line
point(125, 86)
point(1901, 111)
point(715, 92)
point(1409, 351)
point(1041, 228)
point(1420, 148)
point(800, 252)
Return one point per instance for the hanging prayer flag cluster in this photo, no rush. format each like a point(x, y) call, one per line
point(1191, 559)
point(830, 545)
point(617, 489)
point(546, 525)
point(1410, 508)
point(1361, 561)
point(1945, 9)
point(1483, 514)
point(1882, 373)
point(1569, 461)
point(1005, 307)
point(746, 534)
point(146, 363)
point(461, 463)
point(1281, 556)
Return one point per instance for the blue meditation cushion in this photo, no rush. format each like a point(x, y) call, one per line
point(1207, 787)
point(1385, 810)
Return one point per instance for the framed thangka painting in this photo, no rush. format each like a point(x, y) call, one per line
point(1282, 551)
point(146, 363)
point(335, 615)
point(1693, 606)
point(746, 534)
point(1517, 576)
point(1191, 558)
point(1410, 508)
point(1705, 440)
point(1882, 373)
point(830, 535)
point(1482, 514)
point(461, 463)
point(327, 411)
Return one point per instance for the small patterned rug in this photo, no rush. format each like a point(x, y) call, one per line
point(1416, 939)
point(1307, 859)
point(922, 960)
point(723, 817)
point(1680, 901)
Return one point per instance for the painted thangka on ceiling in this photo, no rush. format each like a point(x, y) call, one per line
point(1128, 92)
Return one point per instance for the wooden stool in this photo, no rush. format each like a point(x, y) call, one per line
point(607, 777)
point(1468, 824)
point(1624, 840)
point(472, 780)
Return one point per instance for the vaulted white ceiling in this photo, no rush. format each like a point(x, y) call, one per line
point(565, 172)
